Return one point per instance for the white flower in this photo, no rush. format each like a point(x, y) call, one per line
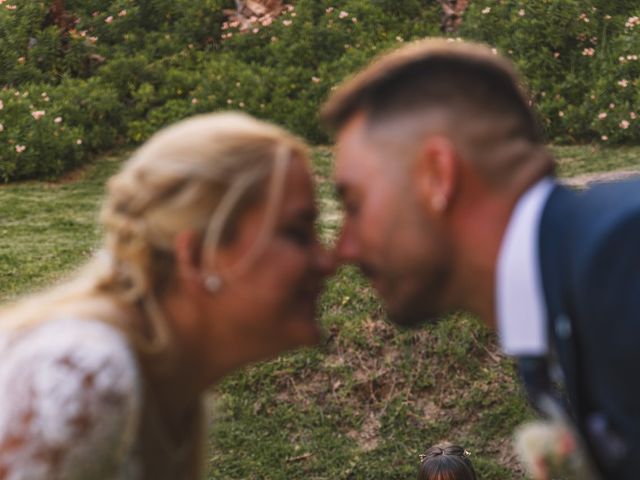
point(122, 13)
point(624, 124)
point(399, 39)
point(315, 79)
point(354, 20)
point(522, 12)
point(343, 14)
point(1, 128)
point(79, 141)
point(57, 120)
point(1, 104)
point(241, 104)
point(602, 115)
point(329, 10)
point(20, 148)
point(623, 83)
point(194, 101)
point(286, 23)
point(612, 106)
point(588, 52)
point(604, 138)
point(561, 114)
point(38, 114)
point(486, 10)
point(633, 115)
point(109, 19)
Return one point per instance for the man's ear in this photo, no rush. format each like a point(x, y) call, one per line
point(187, 248)
point(435, 173)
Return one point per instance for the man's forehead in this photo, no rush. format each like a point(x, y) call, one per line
point(355, 156)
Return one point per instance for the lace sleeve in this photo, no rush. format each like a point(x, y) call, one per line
point(69, 402)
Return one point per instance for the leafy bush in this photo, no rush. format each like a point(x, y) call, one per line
point(121, 69)
point(580, 58)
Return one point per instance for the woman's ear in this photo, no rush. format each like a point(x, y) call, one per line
point(435, 173)
point(187, 248)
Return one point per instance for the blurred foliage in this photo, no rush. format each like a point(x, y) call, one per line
point(118, 70)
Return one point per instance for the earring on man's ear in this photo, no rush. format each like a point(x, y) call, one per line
point(439, 202)
point(212, 283)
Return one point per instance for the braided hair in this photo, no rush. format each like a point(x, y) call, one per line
point(446, 462)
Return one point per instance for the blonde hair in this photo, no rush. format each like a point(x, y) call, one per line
point(200, 175)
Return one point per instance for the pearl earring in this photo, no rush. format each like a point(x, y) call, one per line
point(212, 283)
point(439, 202)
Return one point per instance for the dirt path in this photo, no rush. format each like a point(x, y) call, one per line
point(585, 180)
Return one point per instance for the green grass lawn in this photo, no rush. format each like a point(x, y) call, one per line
point(365, 404)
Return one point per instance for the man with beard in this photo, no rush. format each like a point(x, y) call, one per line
point(450, 203)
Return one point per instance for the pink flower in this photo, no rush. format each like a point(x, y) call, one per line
point(267, 21)
point(79, 141)
point(20, 148)
point(633, 115)
point(556, 54)
point(1, 104)
point(329, 10)
point(343, 14)
point(194, 101)
point(255, 30)
point(632, 22)
point(623, 83)
point(57, 120)
point(588, 52)
point(38, 114)
point(602, 115)
point(624, 124)
point(604, 138)
point(11, 7)
point(109, 19)
point(122, 13)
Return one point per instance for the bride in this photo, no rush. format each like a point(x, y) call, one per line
point(210, 262)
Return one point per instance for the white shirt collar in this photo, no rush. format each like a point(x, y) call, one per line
point(520, 303)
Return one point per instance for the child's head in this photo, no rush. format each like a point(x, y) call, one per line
point(446, 462)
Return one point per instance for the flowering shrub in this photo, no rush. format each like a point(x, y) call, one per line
point(118, 70)
point(580, 58)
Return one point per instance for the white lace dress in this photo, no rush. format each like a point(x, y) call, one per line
point(71, 406)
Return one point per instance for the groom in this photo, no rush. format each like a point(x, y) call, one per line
point(451, 203)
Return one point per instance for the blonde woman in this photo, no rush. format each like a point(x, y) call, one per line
point(210, 262)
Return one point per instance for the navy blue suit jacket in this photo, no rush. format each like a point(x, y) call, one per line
point(590, 266)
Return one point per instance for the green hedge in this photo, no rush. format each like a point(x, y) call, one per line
point(127, 68)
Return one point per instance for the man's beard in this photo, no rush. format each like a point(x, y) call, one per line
point(416, 294)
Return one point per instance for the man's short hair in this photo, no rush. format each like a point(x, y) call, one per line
point(477, 93)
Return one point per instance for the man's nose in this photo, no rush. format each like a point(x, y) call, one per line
point(346, 250)
point(326, 262)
